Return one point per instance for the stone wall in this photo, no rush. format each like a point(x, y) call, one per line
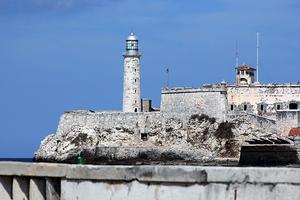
point(286, 120)
point(182, 101)
point(107, 120)
point(262, 100)
point(254, 121)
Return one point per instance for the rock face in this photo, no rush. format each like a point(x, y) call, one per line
point(198, 138)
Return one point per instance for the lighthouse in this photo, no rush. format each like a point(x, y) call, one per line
point(132, 80)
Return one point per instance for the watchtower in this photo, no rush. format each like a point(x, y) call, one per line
point(245, 75)
point(132, 84)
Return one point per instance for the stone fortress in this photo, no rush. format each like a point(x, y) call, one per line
point(199, 124)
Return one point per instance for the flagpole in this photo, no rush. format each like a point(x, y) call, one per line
point(168, 77)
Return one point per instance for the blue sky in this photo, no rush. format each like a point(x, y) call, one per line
point(58, 55)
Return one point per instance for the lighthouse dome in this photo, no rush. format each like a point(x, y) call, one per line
point(132, 36)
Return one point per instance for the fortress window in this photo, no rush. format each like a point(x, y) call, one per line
point(231, 107)
point(278, 107)
point(134, 91)
point(134, 80)
point(293, 106)
point(135, 110)
point(261, 107)
point(144, 136)
point(245, 107)
point(135, 70)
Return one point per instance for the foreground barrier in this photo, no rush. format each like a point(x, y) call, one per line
point(49, 181)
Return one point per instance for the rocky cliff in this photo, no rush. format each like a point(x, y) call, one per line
point(198, 138)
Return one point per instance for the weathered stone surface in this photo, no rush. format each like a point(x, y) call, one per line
point(159, 173)
point(99, 138)
point(69, 182)
point(268, 95)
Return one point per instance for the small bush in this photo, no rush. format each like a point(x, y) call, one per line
point(224, 130)
point(203, 117)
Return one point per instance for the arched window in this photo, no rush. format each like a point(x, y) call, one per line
point(243, 81)
point(135, 110)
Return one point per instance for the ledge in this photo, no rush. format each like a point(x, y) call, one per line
point(154, 173)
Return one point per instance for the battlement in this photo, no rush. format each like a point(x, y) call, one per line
point(191, 90)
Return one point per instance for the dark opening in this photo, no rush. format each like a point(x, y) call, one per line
point(245, 107)
point(231, 107)
point(243, 80)
point(293, 106)
point(278, 107)
point(144, 136)
point(262, 107)
point(135, 110)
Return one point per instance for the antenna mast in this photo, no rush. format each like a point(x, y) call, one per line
point(168, 77)
point(257, 49)
point(236, 54)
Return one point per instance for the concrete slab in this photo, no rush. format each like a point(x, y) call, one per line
point(20, 189)
point(5, 187)
point(37, 189)
point(154, 173)
point(53, 188)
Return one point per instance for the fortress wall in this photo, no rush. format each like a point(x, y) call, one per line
point(268, 95)
point(210, 102)
point(107, 120)
point(287, 120)
point(269, 125)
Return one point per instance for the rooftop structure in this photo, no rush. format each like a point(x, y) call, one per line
point(245, 75)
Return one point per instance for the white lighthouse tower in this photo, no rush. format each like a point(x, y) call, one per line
point(132, 84)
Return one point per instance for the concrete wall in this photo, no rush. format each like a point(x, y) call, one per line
point(89, 182)
point(212, 102)
point(267, 95)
